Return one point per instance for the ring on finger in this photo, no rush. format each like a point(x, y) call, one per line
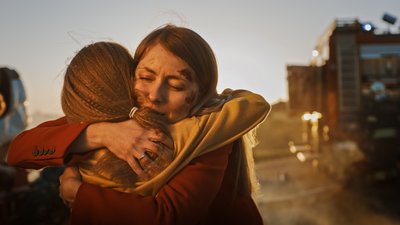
point(142, 156)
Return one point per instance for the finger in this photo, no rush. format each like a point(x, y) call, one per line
point(133, 163)
point(147, 149)
point(158, 136)
point(142, 152)
point(166, 154)
point(154, 141)
point(75, 170)
point(68, 169)
point(71, 172)
point(153, 156)
point(167, 141)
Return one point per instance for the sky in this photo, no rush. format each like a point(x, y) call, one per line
point(253, 40)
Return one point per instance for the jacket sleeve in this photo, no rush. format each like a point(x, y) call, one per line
point(243, 112)
point(44, 145)
point(199, 135)
point(185, 199)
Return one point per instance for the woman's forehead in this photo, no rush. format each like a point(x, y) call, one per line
point(158, 59)
point(158, 53)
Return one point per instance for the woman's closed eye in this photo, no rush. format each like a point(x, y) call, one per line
point(145, 78)
point(177, 86)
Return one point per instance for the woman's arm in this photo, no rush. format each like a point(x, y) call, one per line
point(243, 112)
point(183, 200)
point(198, 135)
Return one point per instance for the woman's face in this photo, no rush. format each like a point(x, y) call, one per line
point(165, 83)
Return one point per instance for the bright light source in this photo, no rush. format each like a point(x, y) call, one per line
point(306, 116)
point(293, 149)
point(315, 116)
point(315, 53)
point(367, 27)
point(301, 157)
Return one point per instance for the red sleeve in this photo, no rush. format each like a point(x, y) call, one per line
point(183, 200)
point(44, 145)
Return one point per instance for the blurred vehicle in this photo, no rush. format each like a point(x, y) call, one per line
point(13, 116)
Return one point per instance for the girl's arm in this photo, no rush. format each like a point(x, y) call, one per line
point(57, 142)
point(44, 145)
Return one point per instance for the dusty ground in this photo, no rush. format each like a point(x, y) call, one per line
point(296, 193)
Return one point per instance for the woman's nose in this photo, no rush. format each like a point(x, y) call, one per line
point(157, 94)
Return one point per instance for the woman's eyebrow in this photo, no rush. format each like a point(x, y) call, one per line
point(147, 69)
point(187, 73)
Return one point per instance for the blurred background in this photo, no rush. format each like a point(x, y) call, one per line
point(329, 150)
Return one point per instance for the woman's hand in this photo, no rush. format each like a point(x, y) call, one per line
point(70, 181)
point(146, 150)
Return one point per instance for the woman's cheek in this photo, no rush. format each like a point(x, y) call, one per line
point(181, 110)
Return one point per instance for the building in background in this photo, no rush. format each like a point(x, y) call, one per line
point(354, 69)
point(304, 84)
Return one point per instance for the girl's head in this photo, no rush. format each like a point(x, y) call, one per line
point(176, 73)
point(97, 84)
point(98, 87)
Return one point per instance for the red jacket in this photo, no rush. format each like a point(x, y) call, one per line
point(44, 145)
point(201, 193)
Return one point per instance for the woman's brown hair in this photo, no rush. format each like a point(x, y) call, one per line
point(191, 48)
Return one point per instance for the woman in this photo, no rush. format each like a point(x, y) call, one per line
point(174, 64)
